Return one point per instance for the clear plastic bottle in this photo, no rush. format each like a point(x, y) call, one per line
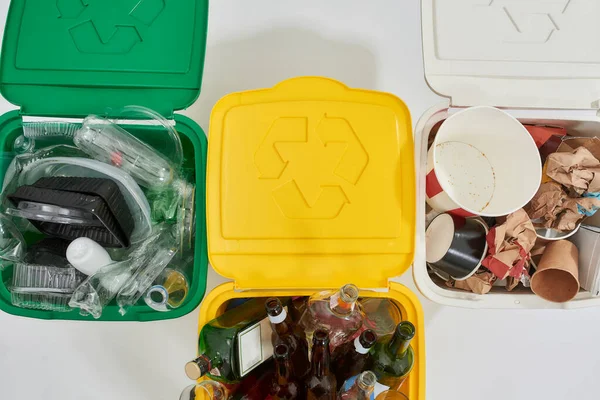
point(336, 311)
point(109, 143)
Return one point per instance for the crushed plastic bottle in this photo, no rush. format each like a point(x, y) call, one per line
point(109, 143)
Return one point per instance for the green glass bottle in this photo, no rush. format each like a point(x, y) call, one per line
point(230, 346)
point(393, 357)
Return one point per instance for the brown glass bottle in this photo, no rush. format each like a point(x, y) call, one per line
point(285, 331)
point(321, 383)
point(285, 384)
point(351, 358)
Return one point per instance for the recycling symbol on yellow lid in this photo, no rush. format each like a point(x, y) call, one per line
point(108, 26)
point(312, 161)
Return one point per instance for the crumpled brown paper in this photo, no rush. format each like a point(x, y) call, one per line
point(578, 170)
point(509, 245)
point(556, 210)
point(547, 202)
point(480, 282)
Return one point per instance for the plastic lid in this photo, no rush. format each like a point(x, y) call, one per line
point(513, 53)
point(310, 185)
point(76, 57)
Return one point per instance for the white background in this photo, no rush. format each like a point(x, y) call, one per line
point(373, 44)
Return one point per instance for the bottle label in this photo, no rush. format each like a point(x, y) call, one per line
point(379, 388)
point(254, 345)
point(278, 318)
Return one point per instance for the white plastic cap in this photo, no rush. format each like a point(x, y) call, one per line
point(87, 256)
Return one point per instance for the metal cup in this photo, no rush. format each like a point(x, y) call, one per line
point(456, 246)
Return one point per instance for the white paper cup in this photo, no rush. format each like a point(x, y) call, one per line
point(482, 162)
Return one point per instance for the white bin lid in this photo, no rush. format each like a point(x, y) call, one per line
point(513, 53)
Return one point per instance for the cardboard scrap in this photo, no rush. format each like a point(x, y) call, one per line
point(479, 283)
point(509, 245)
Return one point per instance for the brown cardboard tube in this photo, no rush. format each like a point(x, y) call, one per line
point(557, 277)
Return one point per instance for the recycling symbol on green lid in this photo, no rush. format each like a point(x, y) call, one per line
point(108, 26)
point(315, 163)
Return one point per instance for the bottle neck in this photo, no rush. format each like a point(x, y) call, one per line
point(198, 367)
point(399, 346)
point(362, 391)
point(283, 371)
point(320, 360)
point(282, 323)
point(344, 300)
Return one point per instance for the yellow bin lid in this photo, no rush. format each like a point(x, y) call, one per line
point(310, 184)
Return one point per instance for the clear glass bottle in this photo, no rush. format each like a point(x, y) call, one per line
point(362, 389)
point(351, 358)
point(286, 385)
point(286, 331)
point(227, 351)
point(381, 315)
point(336, 311)
point(321, 383)
point(210, 390)
point(393, 358)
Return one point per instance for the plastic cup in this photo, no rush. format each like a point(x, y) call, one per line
point(482, 162)
point(557, 275)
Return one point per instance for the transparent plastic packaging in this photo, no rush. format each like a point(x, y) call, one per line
point(32, 278)
point(12, 244)
point(23, 144)
point(49, 129)
point(21, 162)
point(51, 213)
point(171, 287)
point(109, 143)
point(169, 141)
point(98, 290)
point(162, 254)
point(186, 217)
point(86, 168)
point(44, 280)
point(42, 301)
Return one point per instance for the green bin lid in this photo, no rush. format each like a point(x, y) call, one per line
point(76, 57)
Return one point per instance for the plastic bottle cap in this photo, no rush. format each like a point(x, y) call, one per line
point(87, 256)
